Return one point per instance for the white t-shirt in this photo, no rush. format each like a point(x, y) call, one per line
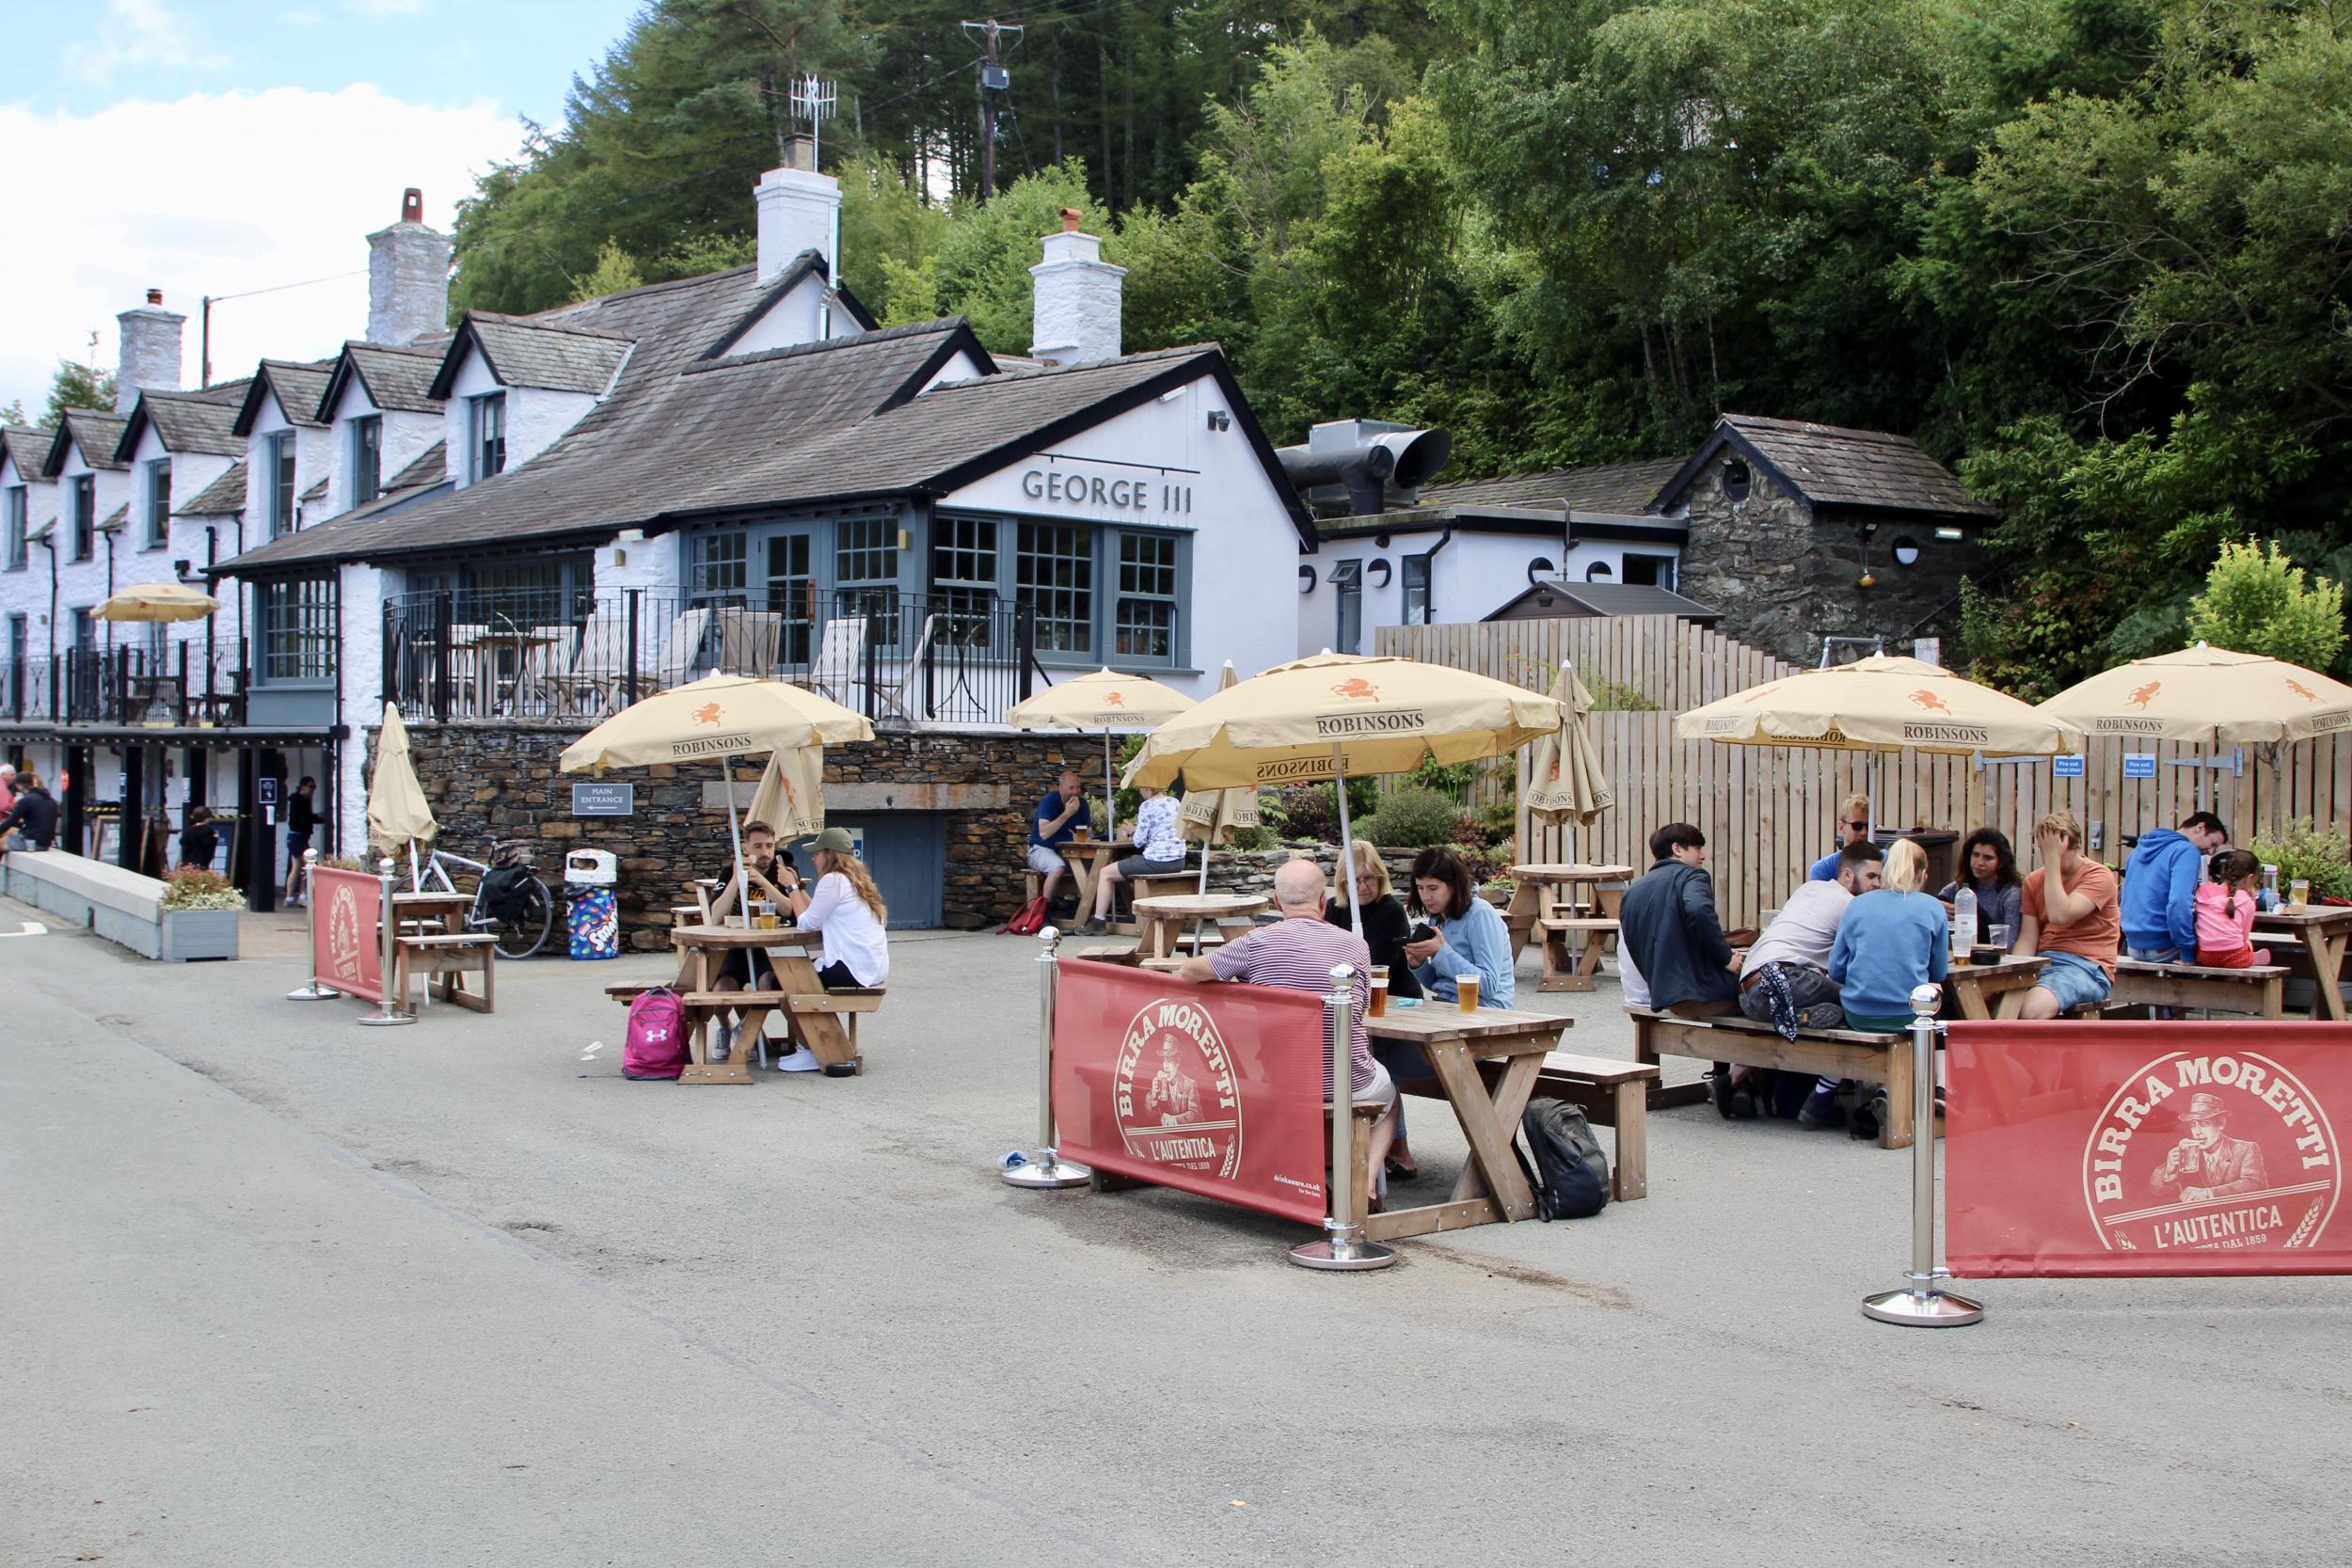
point(853, 938)
point(1636, 989)
point(1805, 930)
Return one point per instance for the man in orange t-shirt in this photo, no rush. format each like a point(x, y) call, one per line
point(2075, 924)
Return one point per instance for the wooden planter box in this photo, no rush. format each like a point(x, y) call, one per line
point(189, 934)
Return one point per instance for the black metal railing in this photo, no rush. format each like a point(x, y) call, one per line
point(561, 656)
point(181, 683)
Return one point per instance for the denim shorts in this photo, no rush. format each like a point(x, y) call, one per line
point(2074, 980)
point(2153, 955)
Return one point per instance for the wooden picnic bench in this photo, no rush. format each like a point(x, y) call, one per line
point(2261, 990)
point(824, 1021)
point(1823, 1053)
point(443, 960)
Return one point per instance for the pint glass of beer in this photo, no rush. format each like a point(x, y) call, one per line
point(1466, 989)
point(1379, 992)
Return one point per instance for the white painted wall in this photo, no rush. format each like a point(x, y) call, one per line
point(655, 564)
point(1245, 550)
point(27, 593)
point(313, 459)
point(536, 418)
point(405, 436)
point(83, 584)
point(1472, 578)
point(360, 673)
point(793, 319)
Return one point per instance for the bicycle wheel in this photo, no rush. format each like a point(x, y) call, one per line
point(535, 919)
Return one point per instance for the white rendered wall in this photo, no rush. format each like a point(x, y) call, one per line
point(654, 564)
point(1472, 578)
point(793, 319)
point(1244, 549)
point(27, 593)
point(536, 418)
point(360, 673)
point(404, 439)
point(81, 584)
point(191, 473)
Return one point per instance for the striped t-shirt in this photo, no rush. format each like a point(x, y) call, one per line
point(1300, 953)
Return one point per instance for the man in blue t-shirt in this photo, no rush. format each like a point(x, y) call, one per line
point(1853, 826)
point(1051, 825)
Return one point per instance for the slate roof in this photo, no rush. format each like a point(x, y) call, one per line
point(116, 518)
point(96, 433)
point(1830, 465)
point(531, 351)
point(185, 422)
point(29, 446)
point(297, 388)
point(796, 272)
point(429, 466)
point(1612, 598)
point(220, 498)
point(1619, 488)
point(399, 380)
point(315, 492)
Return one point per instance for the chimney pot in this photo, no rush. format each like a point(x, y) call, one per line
point(1071, 217)
point(407, 276)
point(154, 296)
point(412, 205)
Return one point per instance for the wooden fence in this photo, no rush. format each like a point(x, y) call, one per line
point(1768, 811)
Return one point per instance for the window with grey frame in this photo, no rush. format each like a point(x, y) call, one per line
point(84, 506)
point(282, 483)
point(964, 570)
point(295, 626)
point(367, 459)
point(13, 502)
point(719, 568)
point(158, 503)
point(1347, 580)
point(1413, 587)
point(1053, 574)
point(1150, 587)
point(487, 416)
point(866, 574)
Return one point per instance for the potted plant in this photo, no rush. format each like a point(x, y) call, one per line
point(200, 916)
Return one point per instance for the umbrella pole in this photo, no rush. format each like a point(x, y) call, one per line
point(416, 872)
point(1347, 843)
point(1109, 830)
point(735, 836)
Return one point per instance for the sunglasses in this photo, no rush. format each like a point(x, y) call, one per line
point(1859, 827)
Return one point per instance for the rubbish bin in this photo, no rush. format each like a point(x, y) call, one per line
point(594, 922)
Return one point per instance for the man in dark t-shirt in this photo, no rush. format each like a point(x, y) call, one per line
point(302, 819)
point(1058, 816)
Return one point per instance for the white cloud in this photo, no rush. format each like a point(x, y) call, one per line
point(139, 32)
point(385, 8)
point(218, 195)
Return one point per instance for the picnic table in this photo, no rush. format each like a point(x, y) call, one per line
point(1087, 858)
point(430, 939)
point(1986, 991)
point(1565, 906)
point(1492, 1188)
point(1162, 920)
point(813, 1014)
point(2325, 933)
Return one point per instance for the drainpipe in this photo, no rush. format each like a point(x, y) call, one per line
point(1431, 556)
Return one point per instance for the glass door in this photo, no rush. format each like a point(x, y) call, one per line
point(792, 589)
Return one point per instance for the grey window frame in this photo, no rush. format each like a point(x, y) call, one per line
point(1002, 583)
point(17, 503)
point(283, 483)
point(367, 458)
point(1347, 621)
point(1066, 613)
point(158, 504)
point(84, 501)
point(481, 462)
point(1413, 590)
point(297, 629)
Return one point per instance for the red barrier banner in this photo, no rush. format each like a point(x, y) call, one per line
point(2146, 1148)
point(345, 937)
point(1213, 1089)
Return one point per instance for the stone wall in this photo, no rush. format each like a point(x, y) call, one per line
point(1784, 579)
point(500, 781)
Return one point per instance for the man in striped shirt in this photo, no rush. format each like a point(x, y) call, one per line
point(1300, 952)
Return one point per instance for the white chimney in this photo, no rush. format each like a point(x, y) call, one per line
point(1076, 317)
point(150, 351)
point(799, 210)
point(407, 276)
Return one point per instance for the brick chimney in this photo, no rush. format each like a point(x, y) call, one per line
point(407, 276)
point(1074, 318)
point(798, 209)
point(150, 351)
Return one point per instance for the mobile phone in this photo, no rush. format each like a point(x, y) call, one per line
point(1422, 932)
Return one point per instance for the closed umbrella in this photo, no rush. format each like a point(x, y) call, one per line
point(1105, 700)
point(1216, 815)
point(792, 794)
point(1335, 715)
point(397, 813)
point(157, 601)
point(1565, 782)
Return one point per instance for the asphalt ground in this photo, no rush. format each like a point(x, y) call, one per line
point(275, 1289)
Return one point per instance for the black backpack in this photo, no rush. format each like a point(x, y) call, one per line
point(1568, 1161)
point(502, 891)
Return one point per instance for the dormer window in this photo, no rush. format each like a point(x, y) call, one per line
point(158, 503)
point(367, 459)
point(487, 416)
point(280, 472)
point(84, 516)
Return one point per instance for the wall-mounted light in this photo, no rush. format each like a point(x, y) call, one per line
point(1906, 550)
point(1306, 579)
point(1538, 568)
point(1867, 580)
point(1950, 533)
point(179, 569)
point(1598, 571)
point(1378, 573)
point(1220, 420)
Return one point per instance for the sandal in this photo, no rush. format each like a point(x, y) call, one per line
point(1397, 1171)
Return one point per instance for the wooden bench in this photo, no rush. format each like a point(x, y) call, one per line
point(1823, 1053)
point(445, 959)
point(1610, 1094)
point(1563, 967)
point(2261, 990)
point(847, 1005)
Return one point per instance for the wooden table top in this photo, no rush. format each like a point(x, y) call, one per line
point(1435, 1020)
point(1092, 846)
point(2011, 964)
point(2309, 914)
point(431, 900)
point(1570, 873)
point(1200, 906)
point(735, 936)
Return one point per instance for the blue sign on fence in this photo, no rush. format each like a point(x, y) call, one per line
point(2140, 765)
point(269, 792)
point(604, 799)
point(2066, 768)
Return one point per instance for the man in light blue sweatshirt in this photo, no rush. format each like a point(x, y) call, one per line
point(2159, 907)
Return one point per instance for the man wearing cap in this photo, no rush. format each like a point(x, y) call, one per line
point(2209, 1163)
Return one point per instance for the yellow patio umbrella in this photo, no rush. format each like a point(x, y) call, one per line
point(1881, 704)
point(157, 601)
point(397, 813)
point(1105, 700)
point(1214, 815)
point(718, 718)
point(1565, 782)
point(792, 794)
point(1336, 715)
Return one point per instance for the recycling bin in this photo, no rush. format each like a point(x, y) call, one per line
point(594, 923)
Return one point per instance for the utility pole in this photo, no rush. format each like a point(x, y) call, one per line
point(995, 79)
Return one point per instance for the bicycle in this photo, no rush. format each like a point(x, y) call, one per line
point(524, 916)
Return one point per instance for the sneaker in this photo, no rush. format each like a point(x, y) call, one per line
point(1821, 1109)
point(801, 1060)
point(1868, 1117)
point(1720, 1087)
point(1094, 927)
point(1743, 1103)
point(723, 1046)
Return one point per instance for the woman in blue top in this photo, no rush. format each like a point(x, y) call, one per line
point(1889, 942)
point(1470, 937)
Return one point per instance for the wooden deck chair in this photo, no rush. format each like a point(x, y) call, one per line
point(681, 657)
point(839, 657)
point(899, 703)
point(597, 678)
point(746, 641)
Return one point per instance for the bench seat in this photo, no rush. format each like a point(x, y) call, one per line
point(1824, 1052)
point(1611, 1093)
point(2261, 990)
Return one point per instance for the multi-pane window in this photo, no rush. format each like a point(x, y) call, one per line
point(12, 501)
point(367, 459)
point(1416, 591)
point(84, 516)
point(1347, 578)
point(158, 503)
point(1144, 616)
point(296, 626)
point(489, 434)
point(280, 471)
point(1054, 575)
point(964, 565)
point(866, 574)
point(719, 571)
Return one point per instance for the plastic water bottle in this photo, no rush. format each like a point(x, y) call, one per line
point(1963, 922)
point(2269, 898)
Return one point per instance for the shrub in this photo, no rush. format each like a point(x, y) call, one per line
point(1499, 823)
point(192, 887)
point(2302, 850)
point(1619, 697)
point(1411, 820)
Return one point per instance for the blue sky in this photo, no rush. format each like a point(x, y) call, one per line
point(224, 147)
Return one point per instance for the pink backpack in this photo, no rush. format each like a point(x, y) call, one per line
point(657, 1036)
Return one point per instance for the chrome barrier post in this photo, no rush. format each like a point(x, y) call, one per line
point(310, 991)
point(1345, 1246)
point(1048, 1169)
point(388, 1015)
point(1922, 1303)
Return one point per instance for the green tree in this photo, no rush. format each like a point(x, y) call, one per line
point(2258, 601)
point(77, 385)
point(613, 272)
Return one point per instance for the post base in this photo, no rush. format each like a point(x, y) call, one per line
point(313, 993)
point(1049, 1170)
point(1915, 1309)
point(1342, 1256)
point(386, 1021)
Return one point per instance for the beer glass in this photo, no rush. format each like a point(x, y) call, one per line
point(2299, 890)
point(1466, 989)
point(1379, 1007)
